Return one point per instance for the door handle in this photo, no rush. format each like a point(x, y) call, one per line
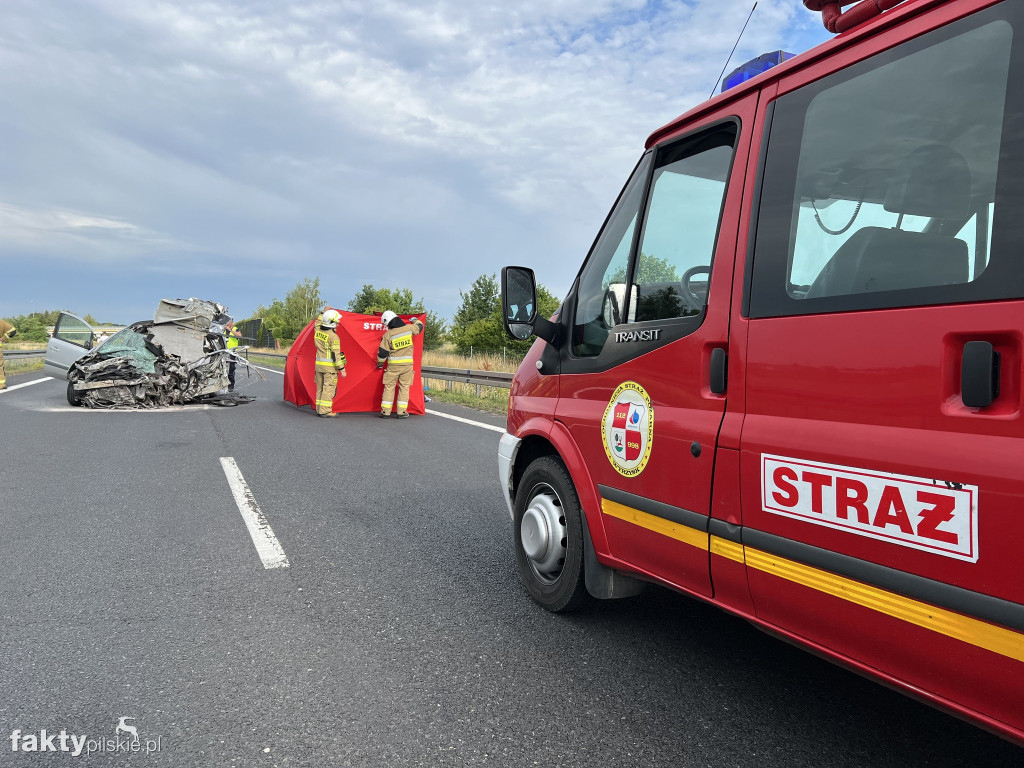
point(719, 360)
point(979, 374)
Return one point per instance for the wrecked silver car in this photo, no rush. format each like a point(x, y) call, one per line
point(178, 357)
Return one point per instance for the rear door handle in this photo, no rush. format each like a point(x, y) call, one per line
point(979, 374)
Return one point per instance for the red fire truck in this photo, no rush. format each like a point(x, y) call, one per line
point(787, 378)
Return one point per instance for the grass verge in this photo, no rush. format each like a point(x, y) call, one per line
point(268, 362)
point(491, 400)
point(12, 367)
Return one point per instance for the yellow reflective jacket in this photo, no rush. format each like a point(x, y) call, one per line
point(396, 345)
point(329, 357)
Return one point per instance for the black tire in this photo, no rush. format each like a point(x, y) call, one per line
point(73, 397)
point(553, 573)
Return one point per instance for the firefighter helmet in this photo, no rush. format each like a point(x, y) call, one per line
point(387, 317)
point(331, 318)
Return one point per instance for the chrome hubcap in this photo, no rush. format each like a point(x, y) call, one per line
point(543, 534)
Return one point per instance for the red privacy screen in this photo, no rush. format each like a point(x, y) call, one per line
point(361, 390)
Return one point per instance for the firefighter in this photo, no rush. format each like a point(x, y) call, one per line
point(231, 336)
point(330, 361)
point(6, 331)
point(396, 350)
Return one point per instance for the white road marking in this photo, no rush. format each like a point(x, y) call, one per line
point(267, 545)
point(467, 421)
point(26, 384)
point(268, 370)
point(165, 409)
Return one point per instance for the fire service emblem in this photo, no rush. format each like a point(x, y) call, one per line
point(628, 429)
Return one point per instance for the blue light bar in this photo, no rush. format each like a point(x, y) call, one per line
point(755, 67)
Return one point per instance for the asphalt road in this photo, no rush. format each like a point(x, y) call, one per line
point(399, 634)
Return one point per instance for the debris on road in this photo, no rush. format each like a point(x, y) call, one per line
point(179, 357)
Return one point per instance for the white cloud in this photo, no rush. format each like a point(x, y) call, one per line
point(468, 133)
point(104, 238)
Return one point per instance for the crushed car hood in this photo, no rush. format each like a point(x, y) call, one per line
point(178, 357)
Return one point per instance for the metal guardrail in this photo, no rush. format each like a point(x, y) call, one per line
point(459, 375)
point(22, 354)
point(465, 376)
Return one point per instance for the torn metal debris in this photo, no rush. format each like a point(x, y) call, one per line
point(179, 357)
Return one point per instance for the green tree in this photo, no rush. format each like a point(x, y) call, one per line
point(435, 332)
point(372, 301)
point(652, 270)
point(274, 318)
point(32, 327)
point(303, 303)
point(300, 306)
point(473, 326)
point(477, 325)
point(478, 303)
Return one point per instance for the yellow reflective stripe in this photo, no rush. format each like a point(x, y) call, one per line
point(991, 637)
point(324, 402)
point(401, 360)
point(677, 531)
point(999, 640)
point(726, 548)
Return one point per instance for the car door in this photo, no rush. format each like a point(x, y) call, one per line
point(881, 491)
point(648, 312)
point(72, 338)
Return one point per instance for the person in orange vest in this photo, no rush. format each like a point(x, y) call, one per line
point(330, 362)
point(6, 331)
point(396, 350)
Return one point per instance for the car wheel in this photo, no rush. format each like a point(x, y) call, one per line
point(548, 533)
point(73, 397)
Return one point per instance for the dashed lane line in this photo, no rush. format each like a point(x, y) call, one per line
point(267, 546)
point(26, 384)
point(467, 421)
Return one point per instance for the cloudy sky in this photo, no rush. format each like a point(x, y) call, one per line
point(227, 149)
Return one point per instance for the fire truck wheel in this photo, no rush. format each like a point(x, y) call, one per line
point(73, 397)
point(549, 536)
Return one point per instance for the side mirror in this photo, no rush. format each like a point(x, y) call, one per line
point(518, 301)
point(519, 306)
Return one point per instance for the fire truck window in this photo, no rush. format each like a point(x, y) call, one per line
point(598, 303)
point(884, 182)
point(681, 226)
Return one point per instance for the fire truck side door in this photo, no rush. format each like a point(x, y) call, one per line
point(646, 316)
